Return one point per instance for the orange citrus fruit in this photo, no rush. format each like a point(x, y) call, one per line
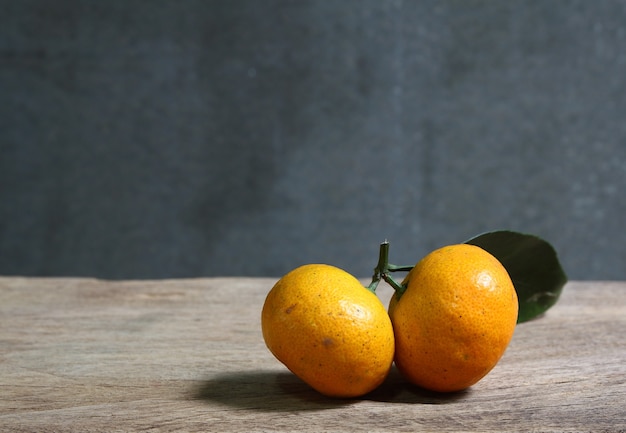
point(329, 330)
point(455, 319)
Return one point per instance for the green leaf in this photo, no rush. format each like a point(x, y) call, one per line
point(532, 264)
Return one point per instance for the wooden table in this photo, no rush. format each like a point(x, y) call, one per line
point(188, 355)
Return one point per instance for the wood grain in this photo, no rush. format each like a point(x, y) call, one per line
point(188, 355)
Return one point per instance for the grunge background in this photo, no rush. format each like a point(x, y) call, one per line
point(202, 138)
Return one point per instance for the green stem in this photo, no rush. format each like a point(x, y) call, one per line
point(382, 270)
point(381, 266)
point(373, 285)
point(394, 268)
point(399, 288)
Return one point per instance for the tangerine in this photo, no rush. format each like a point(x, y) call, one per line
point(329, 330)
point(455, 319)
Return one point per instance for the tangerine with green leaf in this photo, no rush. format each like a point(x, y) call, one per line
point(455, 319)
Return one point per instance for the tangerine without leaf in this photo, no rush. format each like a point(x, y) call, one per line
point(329, 330)
point(455, 319)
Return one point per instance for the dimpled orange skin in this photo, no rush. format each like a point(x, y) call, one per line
point(455, 320)
point(329, 330)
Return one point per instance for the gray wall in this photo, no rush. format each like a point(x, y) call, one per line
point(241, 137)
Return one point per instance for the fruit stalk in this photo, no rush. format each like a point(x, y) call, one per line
point(383, 268)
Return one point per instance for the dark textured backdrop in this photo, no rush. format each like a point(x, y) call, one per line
point(149, 139)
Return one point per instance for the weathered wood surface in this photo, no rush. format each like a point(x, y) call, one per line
point(188, 355)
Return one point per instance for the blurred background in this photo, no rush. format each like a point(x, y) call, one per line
point(159, 139)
